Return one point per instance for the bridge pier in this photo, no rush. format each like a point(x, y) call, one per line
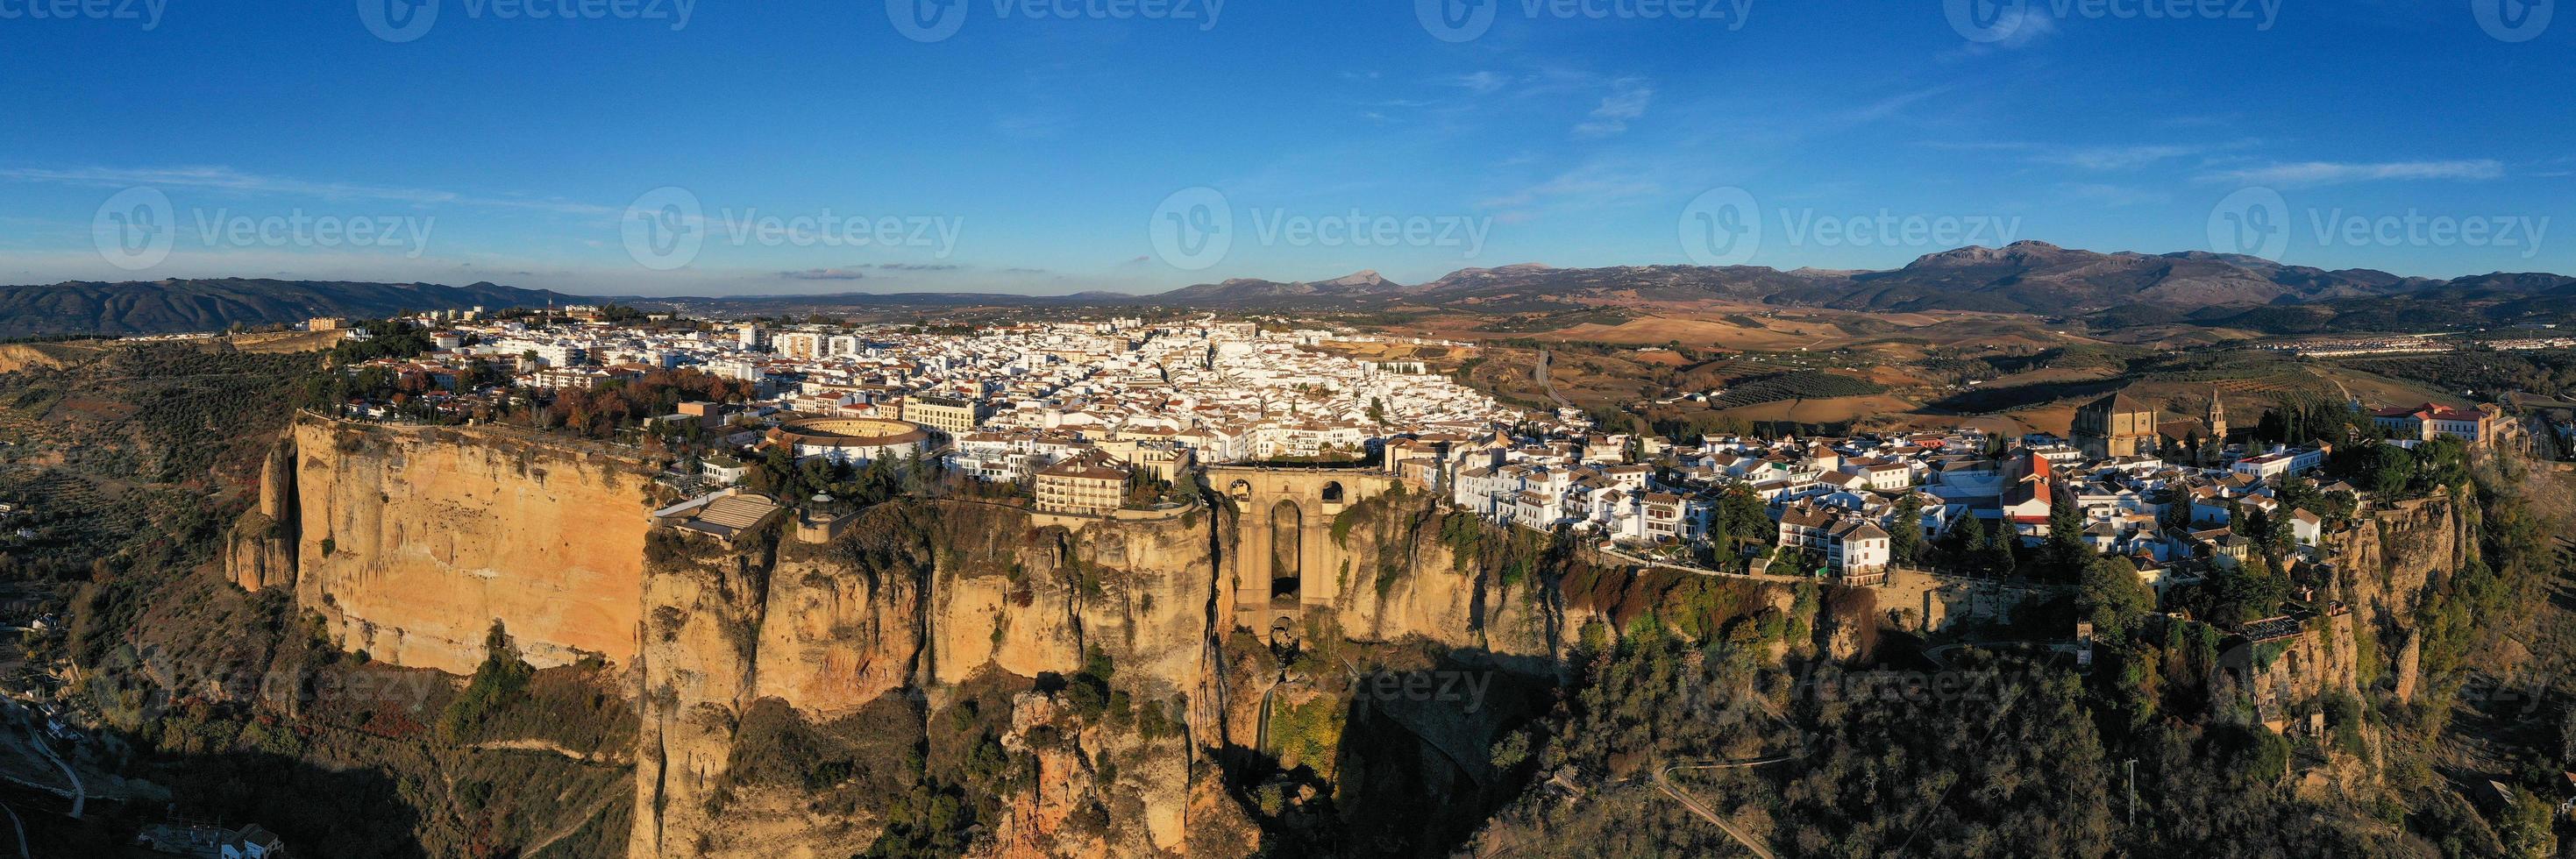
point(1285, 558)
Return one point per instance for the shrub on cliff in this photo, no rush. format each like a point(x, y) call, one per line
point(501, 681)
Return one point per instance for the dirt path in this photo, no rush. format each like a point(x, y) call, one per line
point(1664, 782)
point(572, 826)
point(537, 745)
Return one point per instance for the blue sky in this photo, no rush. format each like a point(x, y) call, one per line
point(1040, 151)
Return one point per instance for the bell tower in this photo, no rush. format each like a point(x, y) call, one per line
point(2217, 417)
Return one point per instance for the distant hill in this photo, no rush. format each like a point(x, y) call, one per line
point(170, 306)
point(2115, 289)
point(2109, 290)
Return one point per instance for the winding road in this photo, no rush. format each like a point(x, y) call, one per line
point(1547, 383)
point(21, 826)
point(1664, 782)
point(36, 738)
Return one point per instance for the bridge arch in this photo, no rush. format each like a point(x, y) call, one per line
point(1284, 558)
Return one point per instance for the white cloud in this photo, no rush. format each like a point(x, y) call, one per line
point(1627, 101)
point(2312, 173)
point(229, 179)
point(1479, 82)
point(2121, 157)
point(2113, 195)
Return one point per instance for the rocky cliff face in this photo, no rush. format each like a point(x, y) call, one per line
point(261, 550)
point(927, 596)
point(2384, 568)
point(412, 542)
point(1406, 581)
point(923, 616)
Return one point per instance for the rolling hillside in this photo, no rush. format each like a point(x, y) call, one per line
point(170, 306)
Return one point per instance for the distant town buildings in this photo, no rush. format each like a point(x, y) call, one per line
point(1090, 417)
point(1086, 485)
point(2476, 426)
point(2115, 426)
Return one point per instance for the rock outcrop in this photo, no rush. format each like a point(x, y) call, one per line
point(1405, 581)
point(260, 552)
point(927, 595)
point(411, 542)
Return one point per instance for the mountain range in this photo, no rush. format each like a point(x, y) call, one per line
point(2107, 289)
point(2024, 277)
point(214, 304)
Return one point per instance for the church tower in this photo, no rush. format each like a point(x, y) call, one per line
point(2217, 417)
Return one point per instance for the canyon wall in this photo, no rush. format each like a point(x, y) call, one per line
point(411, 542)
point(928, 597)
point(2386, 565)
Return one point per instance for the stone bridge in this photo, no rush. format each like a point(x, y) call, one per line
point(1284, 555)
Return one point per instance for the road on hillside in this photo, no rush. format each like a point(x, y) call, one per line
point(1664, 782)
point(1545, 382)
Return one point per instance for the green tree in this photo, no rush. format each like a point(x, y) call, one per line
point(2113, 598)
point(1905, 530)
point(2063, 554)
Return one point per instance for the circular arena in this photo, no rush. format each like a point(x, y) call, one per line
point(849, 439)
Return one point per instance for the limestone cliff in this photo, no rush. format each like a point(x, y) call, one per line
point(260, 552)
point(2384, 567)
point(411, 542)
point(1402, 579)
point(758, 662)
point(928, 596)
point(701, 640)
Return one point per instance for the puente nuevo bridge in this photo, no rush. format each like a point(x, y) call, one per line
point(1285, 558)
